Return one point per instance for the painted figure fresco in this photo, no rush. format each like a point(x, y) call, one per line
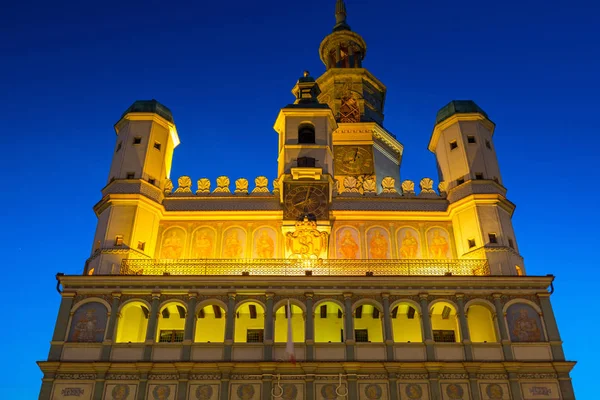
point(245, 392)
point(204, 392)
point(347, 244)
point(378, 240)
point(439, 243)
point(413, 391)
point(409, 243)
point(328, 391)
point(89, 323)
point(161, 392)
point(120, 392)
point(234, 243)
point(455, 391)
point(524, 323)
point(203, 244)
point(264, 243)
point(172, 244)
point(373, 392)
point(494, 391)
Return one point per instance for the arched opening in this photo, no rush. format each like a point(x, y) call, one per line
point(368, 324)
point(481, 324)
point(329, 323)
point(306, 134)
point(444, 323)
point(282, 315)
point(406, 324)
point(133, 322)
point(171, 323)
point(519, 270)
point(250, 323)
point(210, 324)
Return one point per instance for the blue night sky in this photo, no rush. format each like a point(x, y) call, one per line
point(69, 69)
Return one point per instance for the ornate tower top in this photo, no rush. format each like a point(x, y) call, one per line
point(342, 48)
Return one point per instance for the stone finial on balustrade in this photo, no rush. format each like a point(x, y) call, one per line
point(241, 186)
point(276, 186)
point(184, 184)
point(203, 186)
point(351, 185)
point(388, 185)
point(261, 185)
point(168, 186)
point(443, 188)
point(408, 188)
point(222, 185)
point(426, 186)
point(369, 186)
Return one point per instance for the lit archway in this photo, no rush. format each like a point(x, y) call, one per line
point(281, 324)
point(481, 324)
point(171, 323)
point(210, 324)
point(406, 323)
point(444, 322)
point(329, 322)
point(132, 323)
point(368, 326)
point(250, 323)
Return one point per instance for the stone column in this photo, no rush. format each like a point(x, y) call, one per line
point(309, 330)
point(387, 324)
point(427, 333)
point(47, 383)
point(60, 328)
point(504, 339)
point(99, 386)
point(229, 327)
point(515, 388)
point(152, 325)
point(269, 329)
point(349, 327)
point(464, 327)
point(190, 324)
point(566, 386)
point(111, 327)
point(551, 327)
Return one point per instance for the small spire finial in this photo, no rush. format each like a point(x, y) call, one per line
point(306, 74)
point(340, 16)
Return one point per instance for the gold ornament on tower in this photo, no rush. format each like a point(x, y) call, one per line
point(369, 186)
point(222, 185)
point(168, 186)
point(388, 184)
point(426, 185)
point(185, 185)
point(241, 186)
point(261, 184)
point(351, 185)
point(203, 186)
point(408, 187)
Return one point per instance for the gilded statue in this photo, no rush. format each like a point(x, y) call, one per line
point(265, 247)
point(378, 247)
point(348, 246)
point(306, 242)
point(439, 245)
point(233, 246)
point(409, 246)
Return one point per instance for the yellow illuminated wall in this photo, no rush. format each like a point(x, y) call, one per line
point(407, 329)
point(373, 325)
point(132, 324)
point(449, 324)
point(243, 320)
point(481, 325)
point(281, 324)
point(328, 329)
point(174, 322)
point(210, 328)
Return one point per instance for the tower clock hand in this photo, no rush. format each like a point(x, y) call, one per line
point(355, 155)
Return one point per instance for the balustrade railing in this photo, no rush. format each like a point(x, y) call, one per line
point(290, 267)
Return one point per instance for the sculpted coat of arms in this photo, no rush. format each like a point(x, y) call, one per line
point(306, 242)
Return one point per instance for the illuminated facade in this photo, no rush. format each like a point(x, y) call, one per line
point(396, 290)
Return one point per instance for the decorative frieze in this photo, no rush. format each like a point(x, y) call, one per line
point(537, 375)
point(205, 377)
point(122, 377)
point(454, 376)
point(82, 377)
point(492, 377)
point(163, 377)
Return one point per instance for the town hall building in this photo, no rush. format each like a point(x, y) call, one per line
point(334, 279)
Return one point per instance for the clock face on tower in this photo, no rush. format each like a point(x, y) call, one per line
point(353, 160)
point(302, 199)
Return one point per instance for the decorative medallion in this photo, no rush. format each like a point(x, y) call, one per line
point(455, 391)
point(204, 392)
point(286, 391)
point(120, 392)
point(328, 391)
point(245, 392)
point(161, 392)
point(494, 391)
point(373, 392)
point(413, 391)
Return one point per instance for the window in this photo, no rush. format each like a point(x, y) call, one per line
point(443, 336)
point(493, 238)
point(254, 335)
point(141, 246)
point(511, 244)
point(137, 140)
point(130, 175)
point(488, 144)
point(478, 175)
point(453, 145)
point(170, 336)
point(306, 162)
point(471, 139)
point(361, 335)
point(306, 134)
point(152, 181)
point(119, 145)
point(460, 181)
point(119, 240)
point(471, 243)
point(157, 146)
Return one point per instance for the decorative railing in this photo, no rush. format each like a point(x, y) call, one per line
point(290, 267)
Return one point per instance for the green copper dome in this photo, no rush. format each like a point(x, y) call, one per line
point(150, 106)
point(458, 107)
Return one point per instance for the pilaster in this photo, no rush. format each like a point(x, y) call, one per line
point(229, 327)
point(506, 349)
point(182, 385)
point(142, 386)
point(190, 322)
point(310, 387)
point(152, 324)
point(558, 353)
point(111, 328)
point(566, 386)
point(309, 332)
point(60, 328)
point(269, 328)
point(515, 387)
point(427, 333)
point(267, 387)
point(99, 385)
point(349, 327)
point(387, 324)
point(464, 327)
point(47, 383)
